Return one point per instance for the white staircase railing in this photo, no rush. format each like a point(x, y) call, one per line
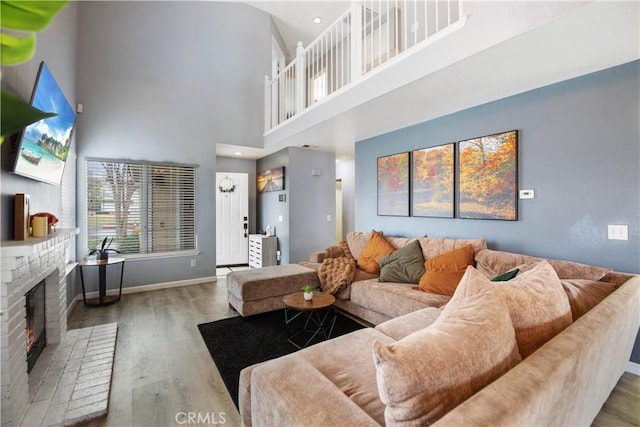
point(369, 34)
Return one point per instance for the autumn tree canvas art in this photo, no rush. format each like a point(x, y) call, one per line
point(487, 177)
point(393, 185)
point(432, 181)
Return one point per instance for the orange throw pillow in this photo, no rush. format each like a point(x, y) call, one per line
point(376, 248)
point(445, 271)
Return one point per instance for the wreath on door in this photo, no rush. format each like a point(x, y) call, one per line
point(226, 185)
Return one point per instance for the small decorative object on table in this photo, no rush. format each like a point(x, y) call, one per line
point(103, 252)
point(308, 292)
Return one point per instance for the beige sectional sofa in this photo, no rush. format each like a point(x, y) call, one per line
point(471, 367)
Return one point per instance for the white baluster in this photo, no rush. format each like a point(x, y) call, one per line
point(356, 39)
point(300, 78)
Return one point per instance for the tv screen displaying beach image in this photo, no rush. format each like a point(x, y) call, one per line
point(45, 144)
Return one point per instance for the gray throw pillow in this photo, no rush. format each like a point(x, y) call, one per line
point(404, 265)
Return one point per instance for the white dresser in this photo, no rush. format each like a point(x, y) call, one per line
point(262, 250)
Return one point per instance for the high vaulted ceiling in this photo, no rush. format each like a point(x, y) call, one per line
point(294, 19)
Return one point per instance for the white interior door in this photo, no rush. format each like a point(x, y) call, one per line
point(232, 218)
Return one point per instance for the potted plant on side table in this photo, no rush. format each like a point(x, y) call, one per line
point(308, 292)
point(102, 254)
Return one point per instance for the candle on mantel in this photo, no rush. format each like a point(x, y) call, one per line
point(39, 226)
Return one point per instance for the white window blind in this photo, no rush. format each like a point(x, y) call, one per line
point(146, 208)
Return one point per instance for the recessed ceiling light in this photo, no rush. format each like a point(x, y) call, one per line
point(317, 20)
point(238, 153)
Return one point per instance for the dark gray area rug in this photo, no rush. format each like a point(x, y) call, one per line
point(239, 342)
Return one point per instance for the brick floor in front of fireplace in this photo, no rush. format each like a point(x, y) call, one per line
point(70, 383)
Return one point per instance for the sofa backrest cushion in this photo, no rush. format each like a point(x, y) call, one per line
point(433, 246)
point(404, 265)
point(585, 294)
point(538, 305)
point(357, 240)
point(429, 372)
point(376, 248)
point(492, 262)
point(444, 271)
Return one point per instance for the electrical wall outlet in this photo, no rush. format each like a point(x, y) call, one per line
point(193, 263)
point(618, 232)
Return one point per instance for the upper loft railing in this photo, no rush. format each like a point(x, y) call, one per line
point(369, 34)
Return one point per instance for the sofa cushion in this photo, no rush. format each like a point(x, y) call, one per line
point(444, 271)
point(405, 265)
point(428, 373)
point(538, 305)
point(356, 240)
point(402, 326)
point(339, 373)
point(376, 248)
point(492, 263)
point(585, 294)
point(433, 246)
point(393, 299)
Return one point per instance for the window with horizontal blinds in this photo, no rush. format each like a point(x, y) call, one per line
point(145, 207)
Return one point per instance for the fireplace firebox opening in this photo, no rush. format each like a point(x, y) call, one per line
point(36, 323)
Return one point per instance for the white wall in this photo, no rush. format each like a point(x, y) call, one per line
point(347, 172)
point(166, 81)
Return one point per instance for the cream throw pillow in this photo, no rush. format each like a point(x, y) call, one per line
point(426, 374)
point(538, 305)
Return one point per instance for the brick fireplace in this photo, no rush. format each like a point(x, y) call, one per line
point(25, 264)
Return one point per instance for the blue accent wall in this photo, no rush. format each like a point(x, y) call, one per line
point(579, 149)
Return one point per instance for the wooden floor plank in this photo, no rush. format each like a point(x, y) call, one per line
point(163, 371)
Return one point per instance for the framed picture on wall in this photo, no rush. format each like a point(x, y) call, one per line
point(393, 185)
point(432, 188)
point(271, 180)
point(488, 177)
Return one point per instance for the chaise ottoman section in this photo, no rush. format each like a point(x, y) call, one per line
point(261, 289)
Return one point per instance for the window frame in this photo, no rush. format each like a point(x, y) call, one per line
point(147, 183)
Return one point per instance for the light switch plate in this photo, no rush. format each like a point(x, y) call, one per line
point(527, 194)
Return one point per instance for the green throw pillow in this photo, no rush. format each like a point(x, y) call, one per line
point(506, 276)
point(404, 265)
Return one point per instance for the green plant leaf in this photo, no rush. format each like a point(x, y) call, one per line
point(15, 114)
point(28, 15)
point(16, 50)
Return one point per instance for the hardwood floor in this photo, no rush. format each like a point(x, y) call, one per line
point(623, 406)
point(163, 372)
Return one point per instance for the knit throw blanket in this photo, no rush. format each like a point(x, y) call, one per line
point(338, 269)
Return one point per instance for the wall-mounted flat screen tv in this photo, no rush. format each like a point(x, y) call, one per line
point(44, 145)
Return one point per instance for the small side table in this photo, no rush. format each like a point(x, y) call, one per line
point(103, 299)
point(320, 324)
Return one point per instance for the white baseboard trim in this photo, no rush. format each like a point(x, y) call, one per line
point(633, 368)
point(73, 305)
point(153, 287)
